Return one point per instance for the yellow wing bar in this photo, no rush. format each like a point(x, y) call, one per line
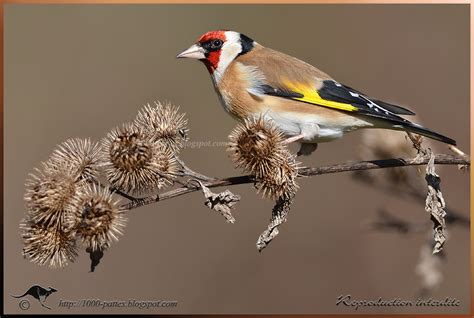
point(310, 95)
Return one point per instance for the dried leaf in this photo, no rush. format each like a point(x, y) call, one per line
point(279, 215)
point(221, 202)
point(435, 204)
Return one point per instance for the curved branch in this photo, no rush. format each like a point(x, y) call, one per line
point(441, 159)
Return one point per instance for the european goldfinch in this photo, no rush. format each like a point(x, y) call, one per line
point(305, 103)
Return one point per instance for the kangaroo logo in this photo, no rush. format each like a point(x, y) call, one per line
point(38, 293)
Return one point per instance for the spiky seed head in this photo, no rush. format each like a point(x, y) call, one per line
point(256, 145)
point(80, 155)
point(279, 182)
point(48, 243)
point(49, 194)
point(96, 218)
point(46, 237)
point(133, 163)
point(164, 123)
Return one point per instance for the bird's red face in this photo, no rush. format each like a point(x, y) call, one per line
point(212, 43)
point(217, 49)
point(208, 49)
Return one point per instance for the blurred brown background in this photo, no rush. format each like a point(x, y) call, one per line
point(80, 70)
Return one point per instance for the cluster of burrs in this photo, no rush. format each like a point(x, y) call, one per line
point(67, 200)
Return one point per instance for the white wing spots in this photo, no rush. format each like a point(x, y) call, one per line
point(371, 105)
point(338, 84)
point(376, 107)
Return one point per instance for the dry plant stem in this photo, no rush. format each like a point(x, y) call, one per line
point(441, 159)
point(336, 168)
point(121, 193)
point(187, 172)
point(114, 190)
point(417, 141)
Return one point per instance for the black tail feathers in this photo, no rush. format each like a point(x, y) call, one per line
point(417, 129)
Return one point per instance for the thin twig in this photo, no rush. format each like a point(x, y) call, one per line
point(417, 141)
point(187, 172)
point(114, 190)
point(336, 168)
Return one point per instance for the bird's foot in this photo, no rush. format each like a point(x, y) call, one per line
point(306, 149)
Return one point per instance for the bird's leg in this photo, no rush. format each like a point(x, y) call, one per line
point(293, 139)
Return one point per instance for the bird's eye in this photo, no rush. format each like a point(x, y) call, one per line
point(216, 44)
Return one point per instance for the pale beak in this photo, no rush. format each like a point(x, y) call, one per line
point(194, 52)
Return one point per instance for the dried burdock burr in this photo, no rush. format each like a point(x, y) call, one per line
point(257, 146)
point(96, 218)
point(280, 181)
point(48, 243)
point(46, 237)
point(134, 163)
point(49, 193)
point(164, 123)
point(80, 155)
